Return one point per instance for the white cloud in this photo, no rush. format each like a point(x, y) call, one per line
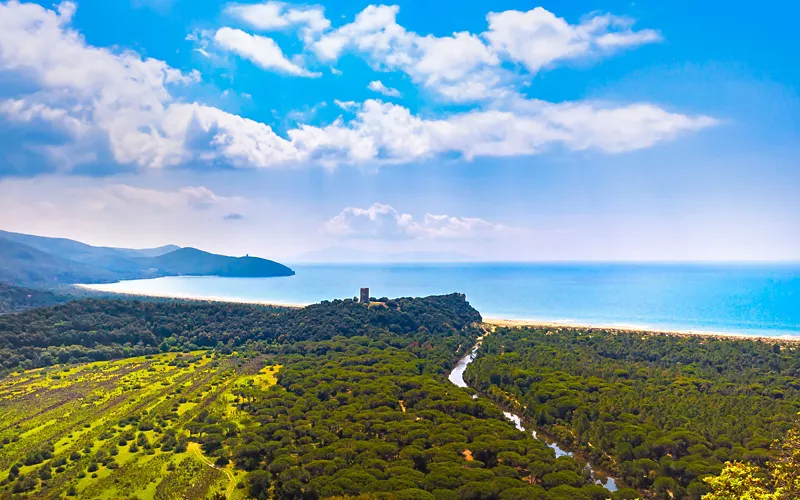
point(81, 199)
point(114, 107)
point(261, 50)
point(271, 16)
point(379, 87)
point(120, 96)
point(537, 38)
point(452, 66)
point(193, 197)
point(384, 222)
point(347, 105)
point(468, 66)
point(384, 132)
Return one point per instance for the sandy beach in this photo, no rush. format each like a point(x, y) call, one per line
point(101, 288)
point(520, 323)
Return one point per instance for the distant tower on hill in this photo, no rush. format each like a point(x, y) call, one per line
point(365, 295)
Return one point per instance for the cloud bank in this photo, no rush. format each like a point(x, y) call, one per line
point(104, 106)
point(386, 223)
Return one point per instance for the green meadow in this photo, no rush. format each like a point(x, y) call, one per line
point(118, 429)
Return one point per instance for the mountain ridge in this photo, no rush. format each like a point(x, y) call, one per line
point(40, 260)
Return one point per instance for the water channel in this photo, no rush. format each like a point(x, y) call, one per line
point(457, 377)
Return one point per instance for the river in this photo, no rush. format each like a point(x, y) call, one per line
point(457, 377)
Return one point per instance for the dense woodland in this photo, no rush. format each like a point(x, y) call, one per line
point(14, 298)
point(660, 411)
point(98, 329)
point(361, 415)
point(361, 406)
point(342, 399)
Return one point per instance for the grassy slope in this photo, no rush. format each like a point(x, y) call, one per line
point(74, 406)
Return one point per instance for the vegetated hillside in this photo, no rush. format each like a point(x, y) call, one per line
point(337, 399)
point(14, 298)
point(81, 252)
point(40, 261)
point(21, 264)
point(100, 329)
point(661, 411)
point(191, 261)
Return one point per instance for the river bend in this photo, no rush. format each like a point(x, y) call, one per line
point(457, 377)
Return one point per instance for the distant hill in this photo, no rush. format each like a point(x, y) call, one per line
point(21, 264)
point(114, 259)
point(41, 261)
point(191, 261)
point(14, 298)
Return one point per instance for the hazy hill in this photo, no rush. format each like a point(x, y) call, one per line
point(115, 259)
point(39, 261)
point(192, 261)
point(24, 265)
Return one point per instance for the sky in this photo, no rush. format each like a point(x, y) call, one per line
point(502, 131)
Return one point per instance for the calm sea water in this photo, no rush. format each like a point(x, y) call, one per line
point(746, 298)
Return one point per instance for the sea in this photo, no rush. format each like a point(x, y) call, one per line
point(756, 299)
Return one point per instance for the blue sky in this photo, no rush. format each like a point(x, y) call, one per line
point(520, 131)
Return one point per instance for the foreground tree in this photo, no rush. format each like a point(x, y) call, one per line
point(742, 481)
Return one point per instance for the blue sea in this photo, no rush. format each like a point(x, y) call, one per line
point(759, 299)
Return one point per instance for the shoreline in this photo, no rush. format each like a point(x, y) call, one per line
point(521, 323)
point(232, 300)
point(494, 321)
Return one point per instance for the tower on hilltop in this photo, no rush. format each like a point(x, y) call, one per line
point(365, 296)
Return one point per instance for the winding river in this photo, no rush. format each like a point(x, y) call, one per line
point(457, 377)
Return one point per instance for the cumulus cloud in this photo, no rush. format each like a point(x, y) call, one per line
point(468, 66)
point(452, 66)
point(272, 16)
point(390, 133)
point(261, 50)
point(379, 87)
point(384, 222)
point(537, 38)
point(119, 96)
point(105, 107)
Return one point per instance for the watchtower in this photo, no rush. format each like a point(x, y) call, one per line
point(365, 296)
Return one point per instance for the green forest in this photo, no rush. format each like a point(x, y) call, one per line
point(101, 330)
point(128, 399)
point(661, 412)
point(334, 400)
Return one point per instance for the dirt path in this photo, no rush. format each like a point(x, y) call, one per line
point(195, 448)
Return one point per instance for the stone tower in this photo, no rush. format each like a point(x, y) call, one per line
point(365, 295)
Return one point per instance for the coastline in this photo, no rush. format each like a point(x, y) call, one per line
point(129, 293)
point(493, 321)
point(521, 323)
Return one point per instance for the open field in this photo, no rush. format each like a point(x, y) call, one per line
point(120, 429)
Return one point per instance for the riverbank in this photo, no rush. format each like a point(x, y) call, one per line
point(456, 377)
point(622, 328)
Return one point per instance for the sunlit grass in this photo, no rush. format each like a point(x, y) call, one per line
point(81, 413)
